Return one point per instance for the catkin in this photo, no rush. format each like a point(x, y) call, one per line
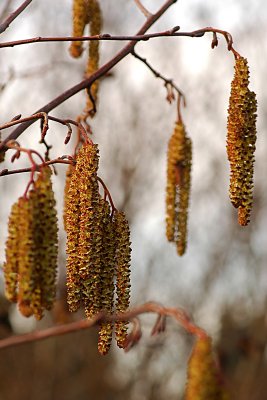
point(12, 245)
point(241, 139)
point(46, 237)
point(98, 248)
point(179, 159)
point(107, 275)
point(81, 226)
point(123, 259)
point(79, 21)
point(31, 249)
point(95, 20)
point(203, 380)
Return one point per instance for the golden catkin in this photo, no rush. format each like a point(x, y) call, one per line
point(69, 172)
point(123, 260)
point(26, 257)
point(107, 276)
point(83, 242)
point(95, 20)
point(46, 237)
point(241, 139)
point(12, 245)
point(203, 380)
point(179, 159)
point(35, 233)
point(79, 21)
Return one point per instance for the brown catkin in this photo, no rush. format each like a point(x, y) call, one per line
point(79, 21)
point(107, 276)
point(12, 245)
point(69, 172)
point(241, 139)
point(26, 257)
point(37, 248)
point(95, 20)
point(83, 237)
point(123, 261)
point(179, 160)
point(203, 380)
point(46, 237)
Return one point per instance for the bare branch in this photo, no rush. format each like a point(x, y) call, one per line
point(4, 25)
point(100, 72)
point(141, 7)
point(168, 82)
point(176, 313)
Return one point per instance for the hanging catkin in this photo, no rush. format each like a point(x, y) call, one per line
point(241, 139)
point(95, 21)
point(81, 225)
point(123, 260)
point(107, 276)
point(31, 249)
point(79, 21)
point(179, 159)
point(98, 248)
point(12, 246)
point(203, 380)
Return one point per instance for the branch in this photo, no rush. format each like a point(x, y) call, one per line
point(60, 160)
point(176, 313)
point(4, 25)
point(100, 72)
point(107, 37)
point(146, 13)
point(168, 82)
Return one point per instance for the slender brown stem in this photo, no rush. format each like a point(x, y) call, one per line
point(142, 8)
point(168, 82)
point(176, 313)
point(5, 24)
point(99, 73)
point(107, 192)
point(59, 160)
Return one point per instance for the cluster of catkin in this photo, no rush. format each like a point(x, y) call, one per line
point(30, 268)
point(179, 159)
point(98, 248)
point(203, 377)
point(87, 12)
point(241, 140)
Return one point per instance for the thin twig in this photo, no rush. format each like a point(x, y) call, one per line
point(59, 160)
point(142, 8)
point(99, 73)
point(168, 82)
point(5, 24)
point(176, 313)
point(137, 38)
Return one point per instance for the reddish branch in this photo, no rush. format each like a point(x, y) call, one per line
point(142, 8)
point(168, 82)
point(60, 160)
point(5, 24)
point(99, 73)
point(176, 313)
point(137, 38)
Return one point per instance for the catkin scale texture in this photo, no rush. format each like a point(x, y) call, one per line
point(203, 381)
point(123, 260)
point(241, 139)
point(95, 20)
point(33, 227)
point(179, 158)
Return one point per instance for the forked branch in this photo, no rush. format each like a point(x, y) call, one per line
point(5, 24)
point(179, 315)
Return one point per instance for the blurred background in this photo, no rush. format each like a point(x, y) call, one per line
point(222, 279)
